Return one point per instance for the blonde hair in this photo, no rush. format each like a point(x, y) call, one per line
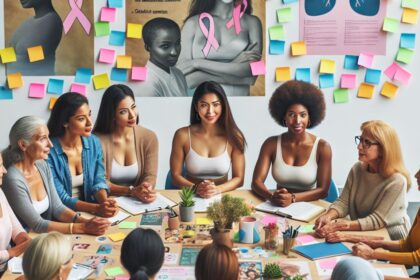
point(392, 159)
point(45, 256)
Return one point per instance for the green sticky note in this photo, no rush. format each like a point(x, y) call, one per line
point(276, 32)
point(404, 55)
point(341, 95)
point(306, 228)
point(390, 24)
point(114, 271)
point(284, 14)
point(102, 29)
point(411, 4)
point(127, 225)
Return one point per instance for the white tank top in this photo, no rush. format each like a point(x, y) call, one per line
point(77, 184)
point(42, 205)
point(123, 175)
point(201, 167)
point(295, 177)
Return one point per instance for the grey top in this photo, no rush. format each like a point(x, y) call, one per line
point(17, 192)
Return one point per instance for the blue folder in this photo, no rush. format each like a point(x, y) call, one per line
point(322, 250)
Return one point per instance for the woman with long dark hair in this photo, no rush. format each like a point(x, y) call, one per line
point(130, 150)
point(209, 146)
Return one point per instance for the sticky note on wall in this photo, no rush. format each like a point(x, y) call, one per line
point(108, 14)
point(389, 90)
point(52, 102)
point(276, 32)
point(405, 55)
point(412, 4)
point(37, 90)
point(298, 48)
point(284, 14)
point(326, 80)
point(276, 47)
point(117, 38)
point(257, 68)
point(410, 16)
point(303, 74)
point(101, 29)
point(35, 54)
point(408, 40)
point(101, 81)
point(115, 3)
point(119, 75)
point(106, 56)
point(365, 91)
point(327, 66)
point(348, 80)
point(8, 55)
point(14, 80)
point(5, 93)
point(83, 75)
point(138, 73)
point(134, 30)
point(124, 61)
point(341, 95)
point(350, 62)
point(283, 74)
point(55, 86)
point(365, 60)
point(373, 76)
point(78, 88)
point(390, 24)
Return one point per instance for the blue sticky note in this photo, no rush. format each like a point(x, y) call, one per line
point(276, 47)
point(373, 76)
point(303, 74)
point(83, 75)
point(5, 93)
point(408, 40)
point(118, 74)
point(55, 86)
point(117, 38)
point(289, 1)
point(115, 3)
point(326, 80)
point(350, 62)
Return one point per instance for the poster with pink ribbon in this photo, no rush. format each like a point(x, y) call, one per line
point(63, 28)
point(218, 40)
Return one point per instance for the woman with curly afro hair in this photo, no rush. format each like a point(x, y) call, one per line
point(300, 161)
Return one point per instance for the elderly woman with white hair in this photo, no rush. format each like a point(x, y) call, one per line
point(29, 185)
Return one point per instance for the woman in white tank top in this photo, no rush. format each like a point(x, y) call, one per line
point(210, 146)
point(300, 161)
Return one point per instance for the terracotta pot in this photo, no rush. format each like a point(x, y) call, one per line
point(173, 222)
point(223, 238)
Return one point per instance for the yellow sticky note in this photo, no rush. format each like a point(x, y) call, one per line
point(124, 61)
point(298, 48)
point(283, 74)
point(36, 53)
point(389, 90)
point(327, 66)
point(52, 102)
point(101, 81)
point(14, 80)
point(410, 16)
point(203, 221)
point(8, 55)
point(134, 30)
point(366, 91)
point(117, 236)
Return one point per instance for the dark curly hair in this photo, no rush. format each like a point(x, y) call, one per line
point(298, 92)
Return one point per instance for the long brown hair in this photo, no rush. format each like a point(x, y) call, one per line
point(216, 262)
point(234, 135)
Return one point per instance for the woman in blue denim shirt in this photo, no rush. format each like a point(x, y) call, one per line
point(76, 157)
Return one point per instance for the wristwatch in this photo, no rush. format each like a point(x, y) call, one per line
point(131, 188)
point(77, 215)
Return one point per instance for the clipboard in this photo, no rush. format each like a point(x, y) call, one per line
point(136, 207)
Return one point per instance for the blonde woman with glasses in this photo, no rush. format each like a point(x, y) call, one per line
point(374, 195)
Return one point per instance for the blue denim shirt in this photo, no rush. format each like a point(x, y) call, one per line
point(93, 170)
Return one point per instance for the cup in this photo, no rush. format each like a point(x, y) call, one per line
point(271, 238)
point(288, 243)
point(247, 232)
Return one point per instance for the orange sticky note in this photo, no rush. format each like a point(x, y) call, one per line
point(124, 61)
point(36, 53)
point(298, 48)
point(101, 81)
point(14, 80)
point(52, 102)
point(410, 16)
point(8, 55)
point(134, 30)
point(365, 91)
point(389, 90)
point(283, 74)
point(327, 66)
point(117, 236)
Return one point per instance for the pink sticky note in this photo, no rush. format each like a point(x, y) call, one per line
point(106, 56)
point(327, 263)
point(122, 278)
point(108, 14)
point(37, 90)
point(303, 239)
point(78, 88)
point(348, 80)
point(392, 70)
point(138, 73)
point(269, 219)
point(257, 68)
point(402, 76)
point(365, 60)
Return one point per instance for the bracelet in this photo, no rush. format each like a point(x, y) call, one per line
point(71, 228)
point(194, 188)
point(293, 198)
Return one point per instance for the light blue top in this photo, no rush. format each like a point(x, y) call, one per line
point(93, 170)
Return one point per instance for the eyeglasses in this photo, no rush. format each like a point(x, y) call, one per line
point(365, 143)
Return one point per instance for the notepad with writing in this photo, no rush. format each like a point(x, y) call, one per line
point(135, 207)
point(321, 250)
point(300, 211)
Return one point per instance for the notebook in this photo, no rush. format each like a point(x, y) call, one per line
point(135, 207)
point(300, 211)
point(321, 250)
point(201, 204)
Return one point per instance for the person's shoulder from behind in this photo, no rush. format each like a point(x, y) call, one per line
point(398, 179)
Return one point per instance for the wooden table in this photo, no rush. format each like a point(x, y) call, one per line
point(114, 256)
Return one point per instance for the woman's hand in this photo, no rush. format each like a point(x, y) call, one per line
point(107, 209)
point(207, 189)
point(96, 226)
point(333, 226)
point(337, 236)
point(362, 250)
point(281, 197)
point(144, 192)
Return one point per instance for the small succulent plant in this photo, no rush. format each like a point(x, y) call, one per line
point(272, 271)
point(187, 195)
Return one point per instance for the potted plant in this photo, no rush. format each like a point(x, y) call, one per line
point(173, 219)
point(224, 213)
point(186, 207)
point(272, 271)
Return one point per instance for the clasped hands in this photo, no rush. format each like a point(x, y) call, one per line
point(325, 226)
point(281, 197)
point(144, 192)
point(206, 189)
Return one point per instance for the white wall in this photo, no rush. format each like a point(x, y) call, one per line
point(165, 115)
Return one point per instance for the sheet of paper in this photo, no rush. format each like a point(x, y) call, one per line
point(327, 66)
point(37, 90)
point(350, 62)
point(365, 60)
point(408, 40)
point(392, 271)
point(108, 14)
point(341, 95)
point(410, 16)
point(134, 206)
point(138, 73)
point(120, 216)
point(276, 33)
point(390, 24)
point(5, 93)
point(257, 68)
point(326, 80)
point(83, 75)
point(348, 80)
point(283, 74)
point(298, 48)
point(14, 80)
point(124, 61)
point(101, 29)
point(276, 47)
point(119, 75)
point(101, 81)
point(36, 54)
point(373, 76)
point(79, 272)
point(55, 86)
point(117, 38)
point(389, 90)
point(284, 14)
point(106, 56)
point(405, 55)
point(303, 74)
point(8, 55)
point(78, 88)
point(15, 265)
point(134, 30)
point(302, 211)
point(366, 91)
point(201, 204)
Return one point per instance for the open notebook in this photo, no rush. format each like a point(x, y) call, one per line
point(135, 207)
point(300, 211)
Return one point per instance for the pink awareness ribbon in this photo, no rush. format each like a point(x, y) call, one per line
point(76, 13)
point(209, 34)
point(237, 13)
